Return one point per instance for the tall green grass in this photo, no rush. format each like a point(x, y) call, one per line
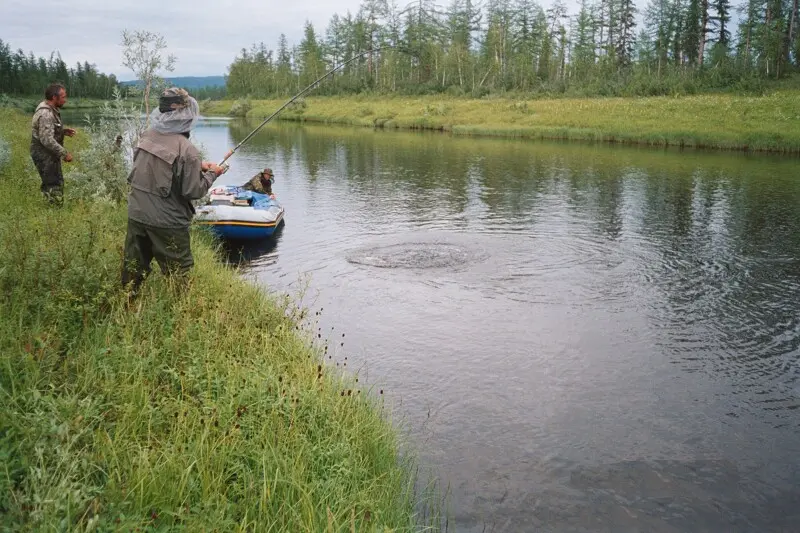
point(769, 123)
point(196, 409)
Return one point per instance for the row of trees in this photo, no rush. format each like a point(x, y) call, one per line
point(27, 75)
point(517, 45)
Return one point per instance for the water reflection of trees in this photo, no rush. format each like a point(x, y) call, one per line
point(726, 275)
point(511, 177)
point(712, 241)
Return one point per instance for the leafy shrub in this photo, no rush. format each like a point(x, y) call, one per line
point(438, 110)
point(105, 163)
point(520, 107)
point(241, 107)
point(298, 106)
point(456, 90)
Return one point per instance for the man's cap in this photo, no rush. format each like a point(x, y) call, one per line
point(173, 99)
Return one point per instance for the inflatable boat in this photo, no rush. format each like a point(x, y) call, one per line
point(233, 212)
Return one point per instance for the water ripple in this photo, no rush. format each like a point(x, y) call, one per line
point(415, 255)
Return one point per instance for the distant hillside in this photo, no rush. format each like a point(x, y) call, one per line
point(190, 82)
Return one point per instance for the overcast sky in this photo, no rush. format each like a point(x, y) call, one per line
point(204, 36)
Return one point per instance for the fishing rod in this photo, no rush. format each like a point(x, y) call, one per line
point(307, 89)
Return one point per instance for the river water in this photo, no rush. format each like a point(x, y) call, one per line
point(577, 337)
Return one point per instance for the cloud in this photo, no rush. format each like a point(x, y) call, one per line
point(205, 37)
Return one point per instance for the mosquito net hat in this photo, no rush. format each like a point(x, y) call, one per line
point(177, 112)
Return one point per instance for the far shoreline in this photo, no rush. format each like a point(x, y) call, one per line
point(765, 124)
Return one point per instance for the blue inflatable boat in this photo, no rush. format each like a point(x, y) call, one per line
point(233, 212)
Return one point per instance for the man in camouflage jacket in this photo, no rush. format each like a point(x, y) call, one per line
point(47, 142)
point(261, 182)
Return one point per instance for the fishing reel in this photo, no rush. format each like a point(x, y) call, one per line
point(223, 165)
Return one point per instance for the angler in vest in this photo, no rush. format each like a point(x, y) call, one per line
point(167, 175)
point(261, 183)
point(47, 142)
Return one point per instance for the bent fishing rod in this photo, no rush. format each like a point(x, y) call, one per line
point(307, 89)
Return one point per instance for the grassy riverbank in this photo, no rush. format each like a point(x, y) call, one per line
point(721, 121)
point(202, 410)
point(28, 104)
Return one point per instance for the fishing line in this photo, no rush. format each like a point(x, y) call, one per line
point(307, 89)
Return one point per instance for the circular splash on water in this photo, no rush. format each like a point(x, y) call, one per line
point(415, 255)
